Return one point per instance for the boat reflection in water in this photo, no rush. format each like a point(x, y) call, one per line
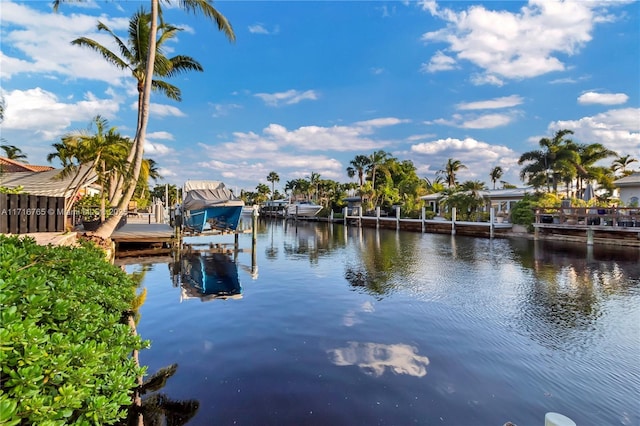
point(207, 276)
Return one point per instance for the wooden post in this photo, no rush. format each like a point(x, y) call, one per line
point(453, 221)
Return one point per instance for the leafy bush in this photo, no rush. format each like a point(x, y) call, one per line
point(65, 346)
point(522, 212)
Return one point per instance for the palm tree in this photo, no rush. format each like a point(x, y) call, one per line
point(12, 152)
point(495, 175)
point(451, 168)
point(104, 152)
point(314, 181)
point(203, 7)
point(273, 178)
point(554, 160)
point(621, 163)
point(376, 160)
point(358, 166)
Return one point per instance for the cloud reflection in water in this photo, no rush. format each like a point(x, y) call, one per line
point(375, 358)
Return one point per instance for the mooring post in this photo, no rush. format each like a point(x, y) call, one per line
point(344, 215)
point(423, 213)
point(491, 220)
point(453, 221)
point(377, 217)
point(589, 236)
point(397, 218)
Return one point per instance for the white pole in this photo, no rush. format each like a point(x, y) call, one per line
point(453, 221)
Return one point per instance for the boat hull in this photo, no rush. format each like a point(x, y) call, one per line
point(303, 210)
point(219, 217)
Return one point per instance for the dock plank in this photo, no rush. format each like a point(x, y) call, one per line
point(143, 232)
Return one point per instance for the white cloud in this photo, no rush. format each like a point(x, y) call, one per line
point(40, 44)
point(220, 110)
point(289, 97)
point(157, 149)
point(160, 135)
point(375, 358)
point(262, 29)
point(617, 129)
point(518, 45)
point(486, 121)
point(482, 79)
point(162, 110)
point(602, 98)
point(439, 62)
point(43, 113)
point(478, 156)
point(496, 103)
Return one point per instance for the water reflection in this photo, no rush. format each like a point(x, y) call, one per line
point(206, 276)
point(375, 358)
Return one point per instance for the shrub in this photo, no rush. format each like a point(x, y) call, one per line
point(65, 346)
point(522, 212)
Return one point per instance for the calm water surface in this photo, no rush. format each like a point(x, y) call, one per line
point(334, 326)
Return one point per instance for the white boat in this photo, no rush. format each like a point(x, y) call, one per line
point(303, 209)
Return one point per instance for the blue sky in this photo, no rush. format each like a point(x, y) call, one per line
point(309, 85)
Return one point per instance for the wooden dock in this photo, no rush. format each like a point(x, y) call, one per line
point(144, 233)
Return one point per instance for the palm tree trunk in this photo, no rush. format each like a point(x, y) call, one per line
point(106, 229)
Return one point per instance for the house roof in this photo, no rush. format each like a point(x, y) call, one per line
point(48, 182)
point(631, 180)
point(493, 194)
point(8, 165)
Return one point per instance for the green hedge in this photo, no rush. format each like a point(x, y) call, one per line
point(65, 345)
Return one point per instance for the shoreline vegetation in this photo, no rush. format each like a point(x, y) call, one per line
point(66, 344)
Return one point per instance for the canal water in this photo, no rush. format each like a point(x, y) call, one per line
point(327, 325)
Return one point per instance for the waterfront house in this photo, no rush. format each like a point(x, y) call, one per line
point(502, 200)
point(629, 189)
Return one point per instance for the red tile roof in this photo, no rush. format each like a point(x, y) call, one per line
point(11, 166)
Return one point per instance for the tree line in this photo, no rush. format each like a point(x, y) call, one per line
point(384, 181)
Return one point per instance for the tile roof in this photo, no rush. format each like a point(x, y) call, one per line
point(11, 166)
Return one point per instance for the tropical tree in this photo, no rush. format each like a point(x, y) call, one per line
point(203, 7)
point(451, 168)
point(357, 167)
point(555, 161)
point(621, 163)
point(262, 192)
point(273, 178)
point(102, 152)
point(375, 160)
point(314, 182)
point(12, 152)
point(495, 175)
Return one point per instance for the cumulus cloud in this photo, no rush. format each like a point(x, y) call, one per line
point(590, 98)
point(524, 44)
point(160, 135)
point(439, 62)
point(162, 110)
point(617, 129)
point(40, 44)
point(375, 358)
point(43, 113)
point(476, 155)
point(289, 97)
point(157, 149)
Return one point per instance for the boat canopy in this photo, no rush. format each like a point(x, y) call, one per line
point(200, 194)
